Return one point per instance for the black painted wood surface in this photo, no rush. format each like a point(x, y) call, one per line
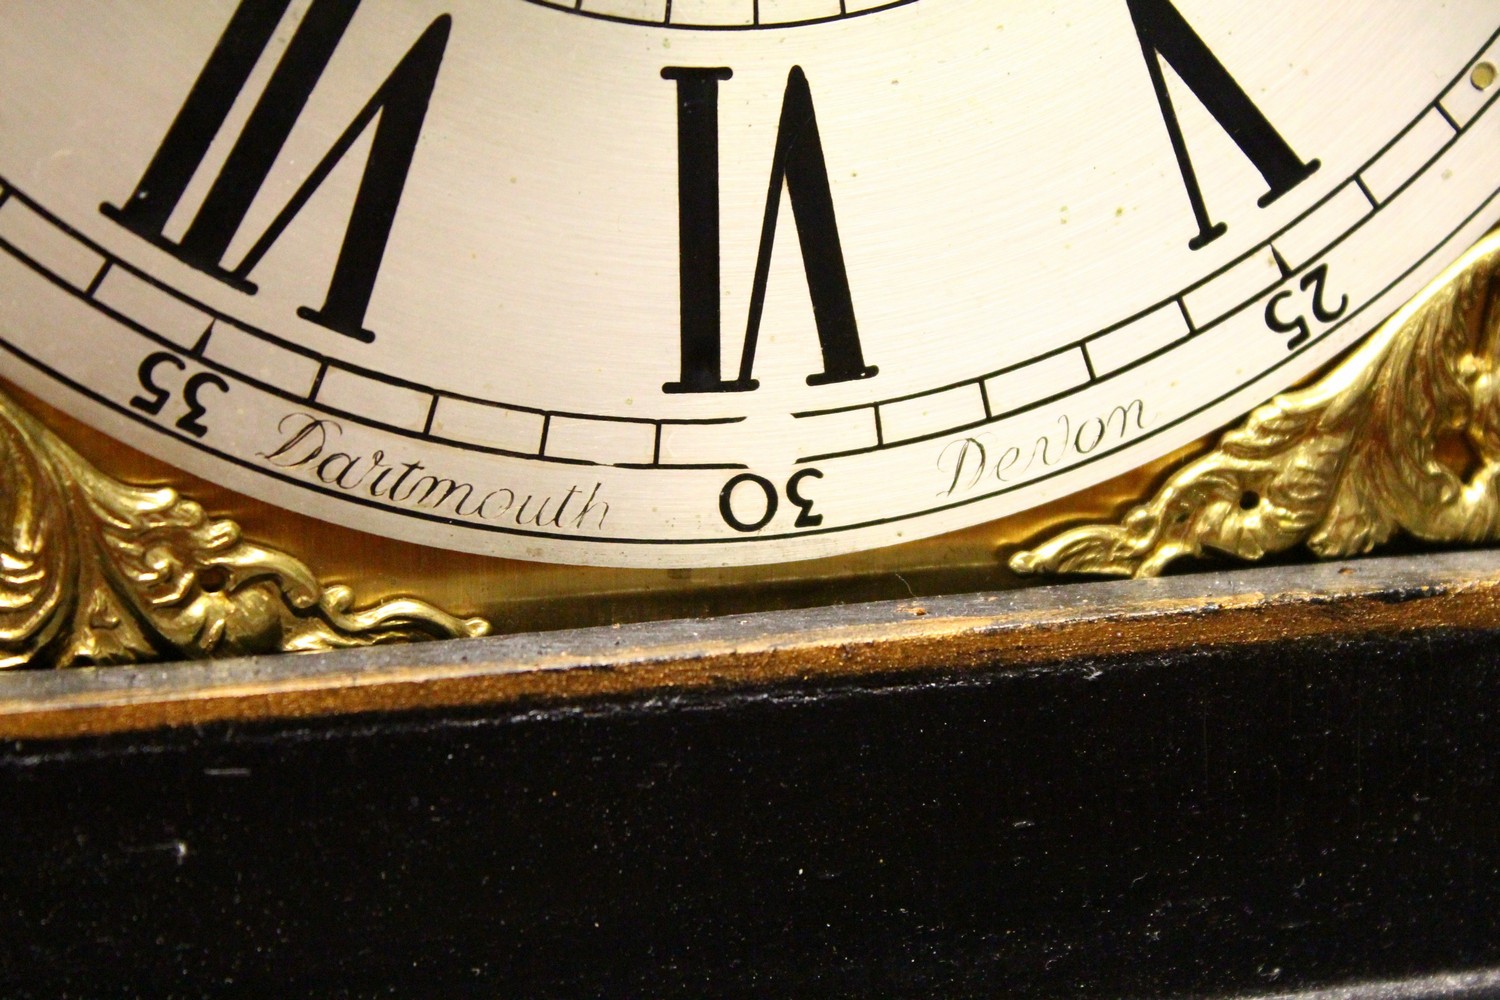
point(1267, 819)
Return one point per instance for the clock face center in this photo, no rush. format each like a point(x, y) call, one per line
point(595, 289)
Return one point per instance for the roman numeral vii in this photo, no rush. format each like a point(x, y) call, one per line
point(397, 109)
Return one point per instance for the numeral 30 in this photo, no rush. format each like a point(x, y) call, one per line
point(731, 510)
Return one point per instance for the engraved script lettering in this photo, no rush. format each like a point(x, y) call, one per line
point(967, 461)
point(308, 442)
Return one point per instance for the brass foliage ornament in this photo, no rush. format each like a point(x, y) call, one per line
point(1404, 435)
point(95, 571)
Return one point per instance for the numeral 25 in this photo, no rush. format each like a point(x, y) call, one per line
point(1322, 312)
point(156, 396)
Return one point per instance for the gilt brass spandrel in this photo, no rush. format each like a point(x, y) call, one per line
point(95, 571)
point(1402, 437)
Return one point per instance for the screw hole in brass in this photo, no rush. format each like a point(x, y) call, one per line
point(213, 579)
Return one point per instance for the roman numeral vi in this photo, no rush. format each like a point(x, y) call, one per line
point(796, 165)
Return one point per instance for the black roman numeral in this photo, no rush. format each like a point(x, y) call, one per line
point(400, 105)
point(798, 166)
point(1164, 33)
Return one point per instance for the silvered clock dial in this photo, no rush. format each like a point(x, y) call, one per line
point(711, 282)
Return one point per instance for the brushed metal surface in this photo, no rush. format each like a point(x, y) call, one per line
point(1005, 253)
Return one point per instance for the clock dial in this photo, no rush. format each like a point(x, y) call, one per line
point(622, 290)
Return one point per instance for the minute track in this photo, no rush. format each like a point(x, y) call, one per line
point(736, 15)
point(1353, 183)
point(1494, 196)
point(324, 364)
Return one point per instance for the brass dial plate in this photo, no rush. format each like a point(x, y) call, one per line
point(496, 277)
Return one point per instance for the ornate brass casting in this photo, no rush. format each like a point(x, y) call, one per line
point(95, 571)
point(1404, 435)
